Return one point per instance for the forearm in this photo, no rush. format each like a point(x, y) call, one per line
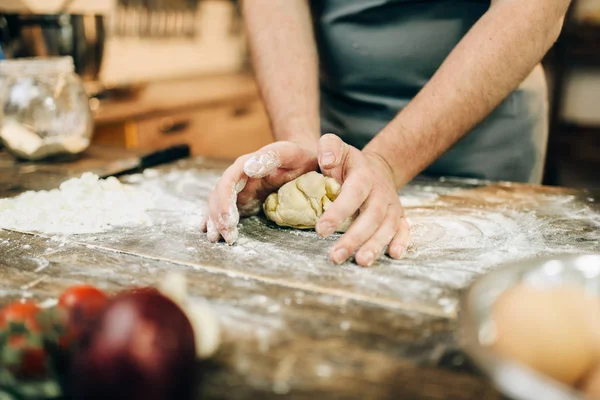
point(485, 67)
point(283, 49)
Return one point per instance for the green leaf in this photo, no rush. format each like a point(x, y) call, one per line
point(7, 378)
point(11, 356)
point(31, 390)
point(43, 389)
point(9, 394)
point(34, 340)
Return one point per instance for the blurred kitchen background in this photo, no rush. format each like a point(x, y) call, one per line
point(163, 72)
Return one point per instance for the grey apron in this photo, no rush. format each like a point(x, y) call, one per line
point(375, 56)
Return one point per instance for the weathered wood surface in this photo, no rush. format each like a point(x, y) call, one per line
point(294, 323)
point(277, 339)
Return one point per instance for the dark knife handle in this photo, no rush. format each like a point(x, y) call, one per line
point(156, 158)
point(164, 156)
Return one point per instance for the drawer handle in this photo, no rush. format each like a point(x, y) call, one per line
point(168, 126)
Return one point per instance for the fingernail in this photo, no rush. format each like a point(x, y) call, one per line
point(230, 236)
point(325, 229)
point(340, 255)
point(399, 251)
point(369, 257)
point(327, 159)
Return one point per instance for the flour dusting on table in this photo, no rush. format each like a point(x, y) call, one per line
point(463, 228)
point(459, 229)
point(91, 205)
point(80, 205)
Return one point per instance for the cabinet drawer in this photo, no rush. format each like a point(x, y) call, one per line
point(226, 131)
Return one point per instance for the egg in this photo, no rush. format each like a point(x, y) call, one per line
point(555, 331)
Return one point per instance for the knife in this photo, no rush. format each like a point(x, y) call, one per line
point(138, 164)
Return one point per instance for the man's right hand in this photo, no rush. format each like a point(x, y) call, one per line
point(244, 186)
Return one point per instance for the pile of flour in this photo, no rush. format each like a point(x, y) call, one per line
point(80, 205)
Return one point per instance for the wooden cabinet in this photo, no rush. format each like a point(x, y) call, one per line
point(226, 128)
point(226, 131)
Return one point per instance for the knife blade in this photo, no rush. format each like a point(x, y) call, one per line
point(138, 164)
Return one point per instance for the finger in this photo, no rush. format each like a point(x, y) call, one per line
point(225, 223)
point(229, 185)
point(230, 235)
point(354, 192)
point(333, 153)
point(369, 220)
point(374, 247)
point(286, 155)
point(399, 243)
point(212, 231)
point(225, 211)
point(212, 234)
point(223, 199)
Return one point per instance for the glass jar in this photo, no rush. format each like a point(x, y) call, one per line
point(44, 110)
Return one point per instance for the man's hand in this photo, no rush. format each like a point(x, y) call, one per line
point(368, 187)
point(246, 184)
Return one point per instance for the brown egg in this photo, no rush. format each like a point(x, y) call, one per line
point(555, 331)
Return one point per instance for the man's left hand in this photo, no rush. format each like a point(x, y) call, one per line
point(368, 187)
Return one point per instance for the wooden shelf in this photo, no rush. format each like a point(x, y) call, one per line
point(164, 97)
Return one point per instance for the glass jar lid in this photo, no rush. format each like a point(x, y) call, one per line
point(37, 66)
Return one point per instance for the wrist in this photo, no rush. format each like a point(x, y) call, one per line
point(385, 151)
point(387, 147)
point(384, 165)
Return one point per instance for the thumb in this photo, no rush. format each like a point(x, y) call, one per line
point(332, 154)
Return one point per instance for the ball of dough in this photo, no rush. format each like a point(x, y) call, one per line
point(301, 202)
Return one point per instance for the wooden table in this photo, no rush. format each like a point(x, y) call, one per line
point(296, 325)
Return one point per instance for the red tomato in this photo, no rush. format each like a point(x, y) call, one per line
point(32, 362)
point(20, 312)
point(83, 305)
point(86, 299)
